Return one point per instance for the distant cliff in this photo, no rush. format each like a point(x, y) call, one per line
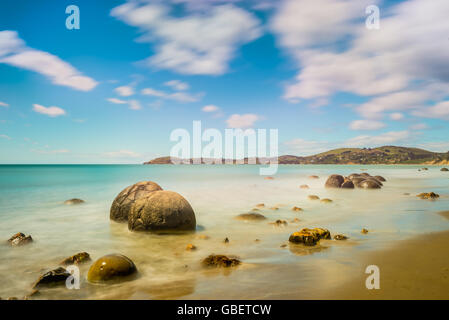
point(381, 155)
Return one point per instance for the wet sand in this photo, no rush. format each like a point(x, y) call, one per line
point(412, 269)
point(444, 214)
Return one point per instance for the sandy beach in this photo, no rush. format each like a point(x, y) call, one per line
point(413, 269)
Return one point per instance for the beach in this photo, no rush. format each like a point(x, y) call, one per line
point(32, 201)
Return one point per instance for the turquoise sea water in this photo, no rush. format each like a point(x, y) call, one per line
point(32, 196)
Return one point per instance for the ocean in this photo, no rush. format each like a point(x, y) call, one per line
point(32, 201)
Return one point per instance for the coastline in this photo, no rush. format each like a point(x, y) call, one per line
point(416, 268)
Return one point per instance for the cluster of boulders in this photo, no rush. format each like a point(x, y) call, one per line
point(147, 207)
point(360, 180)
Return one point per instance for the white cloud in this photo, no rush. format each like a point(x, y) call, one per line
point(438, 111)
point(210, 108)
point(4, 104)
point(4, 136)
point(135, 105)
point(49, 111)
point(125, 91)
point(408, 49)
point(117, 101)
point(366, 125)
point(380, 140)
point(242, 120)
point(176, 96)
point(14, 52)
point(122, 154)
point(177, 85)
point(396, 116)
point(197, 43)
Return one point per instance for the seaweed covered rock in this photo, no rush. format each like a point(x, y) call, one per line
point(334, 181)
point(111, 267)
point(20, 239)
point(220, 261)
point(78, 258)
point(309, 237)
point(251, 216)
point(121, 205)
point(54, 277)
point(428, 195)
point(161, 211)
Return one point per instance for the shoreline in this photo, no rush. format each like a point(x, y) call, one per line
point(413, 269)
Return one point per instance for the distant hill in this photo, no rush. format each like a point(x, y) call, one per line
point(381, 155)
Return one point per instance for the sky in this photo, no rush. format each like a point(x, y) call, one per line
point(113, 90)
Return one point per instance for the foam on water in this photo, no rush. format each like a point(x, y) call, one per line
point(31, 201)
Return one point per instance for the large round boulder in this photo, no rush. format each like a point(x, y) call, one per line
point(369, 184)
point(122, 203)
point(161, 211)
point(347, 184)
point(334, 181)
point(111, 267)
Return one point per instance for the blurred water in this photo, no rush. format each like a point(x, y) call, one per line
point(31, 201)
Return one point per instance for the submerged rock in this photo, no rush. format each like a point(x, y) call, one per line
point(220, 261)
point(326, 200)
point(74, 201)
point(161, 211)
point(297, 209)
point(313, 197)
point(334, 181)
point(279, 223)
point(274, 208)
point(121, 206)
point(304, 186)
point(380, 178)
point(429, 195)
point(78, 258)
point(309, 237)
point(111, 267)
point(364, 231)
point(226, 240)
point(260, 205)
point(190, 247)
point(314, 177)
point(444, 169)
point(20, 239)
point(252, 216)
point(54, 277)
point(340, 237)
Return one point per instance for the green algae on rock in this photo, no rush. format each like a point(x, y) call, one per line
point(111, 267)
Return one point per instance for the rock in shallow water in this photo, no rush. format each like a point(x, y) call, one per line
point(54, 277)
point(220, 261)
point(309, 237)
point(78, 258)
point(429, 195)
point(313, 197)
point(444, 169)
point(334, 181)
point(369, 184)
point(73, 201)
point(340, 237)
point(252, 216)
point(347, 184)
point(111, 267)
point(122, 203)
point(20, 239)
point(161, 211)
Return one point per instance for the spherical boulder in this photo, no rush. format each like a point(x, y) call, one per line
point(380, 178)
point(347, 184)
point(369, 184)
point(161, 211)
point(111, 267)
point(334, 181)
point(122, 203)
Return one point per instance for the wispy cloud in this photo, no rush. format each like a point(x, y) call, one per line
point(177, 85)
point(13, 51)
point(49, 111)
point(4, 136)
point(192, 43)
point(366, 125)
point(125, 91)
point(242, 120)
point(117, 101)
point(4, 104)
point(379, 140)
point(176, 96)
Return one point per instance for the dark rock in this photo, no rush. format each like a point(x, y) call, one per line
point(19, 239)
point(122, 203)
point(220, 261)
point(226, 240)
point(73, 201)
point(365, 174)
point(354, 175)
point(313, 197)
point(444, 169)
point(380, 178)
point(309, 237)
point(111, 267)
point(369, 184)
point(78, 258)
point(297, 209)
point(252, 216)
point(347, 184)
point(429, 195)
point(279, 223)
point(340, 237)
point(364, 231)
point(161, 211)
point(357, 180)
point(374, 179)
point(334, 181)
point(54, 277)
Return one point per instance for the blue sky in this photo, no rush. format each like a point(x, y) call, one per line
point(112, 91)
